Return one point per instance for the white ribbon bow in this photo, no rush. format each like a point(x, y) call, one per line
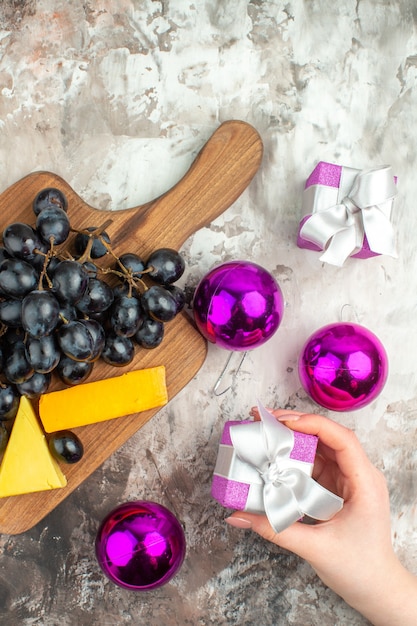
point(340, 229)
point(288, 492)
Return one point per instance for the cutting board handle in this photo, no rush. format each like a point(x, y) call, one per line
point(220, 173)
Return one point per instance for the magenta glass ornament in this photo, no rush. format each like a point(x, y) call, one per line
point(343, 366)
point(238, 305)
point(140, 545)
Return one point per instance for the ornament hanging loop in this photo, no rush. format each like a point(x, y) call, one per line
point(352, 316)
point(227, 370)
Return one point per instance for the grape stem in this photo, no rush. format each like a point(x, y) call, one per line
point(63, 318)
point(91, 234)
point(126, 273)
point(43, 274)
point(86, 254)
point(94, 234)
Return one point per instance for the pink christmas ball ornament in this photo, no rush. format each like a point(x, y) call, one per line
point(238, 305)
point(140, 545)
point(343, 366)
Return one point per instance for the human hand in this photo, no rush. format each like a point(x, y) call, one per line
point(352, 553)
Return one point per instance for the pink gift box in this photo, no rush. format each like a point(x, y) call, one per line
point(327, 185)
point(246, 493)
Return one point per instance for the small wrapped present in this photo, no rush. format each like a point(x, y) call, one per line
point(348, 212)
point(265, 467)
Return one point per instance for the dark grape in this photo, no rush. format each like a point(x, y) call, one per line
point(9, 401)
point(35, 385)
point(101, 317)
point(69, 281)
point(53, 225)
point(48, 196)
point(75, 340)
point(11, 312)
point(73, 372)
point(166, 266)
point(179, 296)
point(17, 368)
point(52, 265)
point(133, 263)
point(91, 269)
point(65, 446)
point(98, 297)
point(42, 353)
point(98, 249)
point(98, 337)
point(126, 315)
point(67, 312)
point(40, 313)
point(150, 334)
point(159, 303)
point(118, 351)
point(17, 277)
point(3, 256)
point(124, 289)
point(21, 241)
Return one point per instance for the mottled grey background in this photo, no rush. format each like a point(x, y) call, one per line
point(118, 97)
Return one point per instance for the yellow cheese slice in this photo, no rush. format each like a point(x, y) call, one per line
point(103, 400)
point(27, 464)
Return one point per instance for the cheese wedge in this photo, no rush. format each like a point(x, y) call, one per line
point(27, 464)
point(103, 400)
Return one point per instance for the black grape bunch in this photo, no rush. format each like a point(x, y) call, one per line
point(61, 311)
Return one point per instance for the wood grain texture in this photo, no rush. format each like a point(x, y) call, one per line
point(219, 174)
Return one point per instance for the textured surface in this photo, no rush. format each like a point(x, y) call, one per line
point(117, 98)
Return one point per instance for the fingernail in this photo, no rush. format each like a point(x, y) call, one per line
point(290, 417)
point(238, 522)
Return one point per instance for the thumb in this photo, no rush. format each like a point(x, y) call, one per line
point(296, 538)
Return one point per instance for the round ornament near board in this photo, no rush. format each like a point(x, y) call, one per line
point(238, 305)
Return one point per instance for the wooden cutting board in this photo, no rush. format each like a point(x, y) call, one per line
point(220, 173)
